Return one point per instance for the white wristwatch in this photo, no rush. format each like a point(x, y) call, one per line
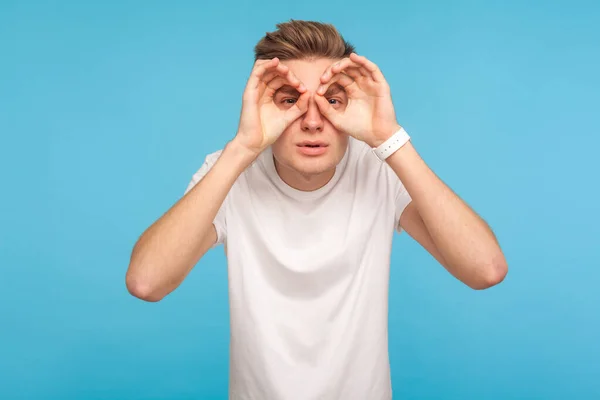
point(390, 146)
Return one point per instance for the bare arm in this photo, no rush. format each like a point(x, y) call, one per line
point(446, 226)
point(168, 250)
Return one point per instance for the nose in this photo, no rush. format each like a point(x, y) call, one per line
point(312, 120)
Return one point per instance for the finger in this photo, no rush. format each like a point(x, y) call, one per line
point(300, 107)
point(338, 67)
point(342, 79)
point(361, 70)
point(297, 110)
point(279, 70)
point(275, 84)
point(324, 106)
point(262, 61)
point(259, 71)
point(327, 110)
point(354, 73)
point(260, 67)
point(328, 73)
point(289, 76)
point(268, 72)
point(344, 65)
point(370, 66)
point(284, 72)
point(254, 89)
point(264, 86)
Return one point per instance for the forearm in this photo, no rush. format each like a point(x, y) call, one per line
point(464, 240)
point(169, 248)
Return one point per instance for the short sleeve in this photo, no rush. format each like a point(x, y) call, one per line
point(220, 221)
point(402, 200)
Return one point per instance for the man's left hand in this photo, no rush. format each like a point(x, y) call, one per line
point(369, 114)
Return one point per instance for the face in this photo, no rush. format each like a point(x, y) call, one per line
point(295, 158)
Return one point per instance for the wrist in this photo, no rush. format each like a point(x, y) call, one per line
point(391, 145)
point(385, 135)
point(240, 154)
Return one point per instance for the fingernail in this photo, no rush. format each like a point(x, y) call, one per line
point(320, 89)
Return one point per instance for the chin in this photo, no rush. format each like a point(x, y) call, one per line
point(310, 162)
point(315, 165)
point(309, 166)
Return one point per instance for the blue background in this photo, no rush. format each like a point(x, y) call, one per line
point(108, 108)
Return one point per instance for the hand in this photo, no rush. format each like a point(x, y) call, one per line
point(369, 114)
point(262, 121)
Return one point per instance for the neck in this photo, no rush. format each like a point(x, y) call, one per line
point(303, 182)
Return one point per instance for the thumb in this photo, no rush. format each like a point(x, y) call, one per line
point(299, 108)
point(326, 109)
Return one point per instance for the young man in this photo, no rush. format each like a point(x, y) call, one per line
point(306, 198)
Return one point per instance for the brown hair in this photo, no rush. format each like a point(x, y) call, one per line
point(297, 40)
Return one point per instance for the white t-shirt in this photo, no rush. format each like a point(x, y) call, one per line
point(308, 279)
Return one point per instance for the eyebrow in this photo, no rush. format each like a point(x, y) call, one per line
point(287, 89)
point(334, 89)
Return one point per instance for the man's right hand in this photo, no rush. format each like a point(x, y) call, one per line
point(262, 121)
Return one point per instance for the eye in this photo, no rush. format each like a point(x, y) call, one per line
point(335, 102)
point(289, 101)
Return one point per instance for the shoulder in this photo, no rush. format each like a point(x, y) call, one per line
point(361, 155)
point(209, 160)
point(369, 169)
